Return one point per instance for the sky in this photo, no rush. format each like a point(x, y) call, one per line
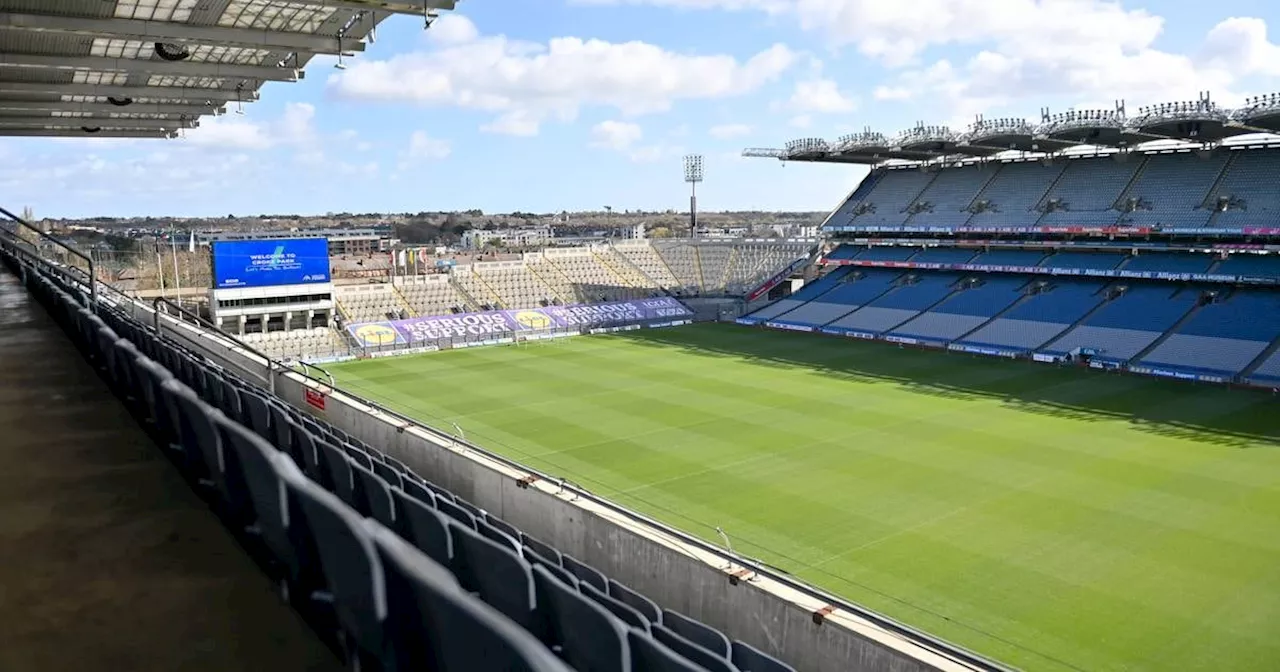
point(581, 104)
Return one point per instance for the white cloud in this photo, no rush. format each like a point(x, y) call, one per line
point(821, 96)
point(423, 146)
point(624, 137)
point(519, 123)
point(525, 83)
point(801, 121)
point(295, 126)
point(1022, 49)
point(615, 135)
point(726, 131)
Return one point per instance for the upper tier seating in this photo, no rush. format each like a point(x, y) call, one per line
point(1174, 187)
point(1170, 190)
point(965, 309)
point(1088, 190)
point(1041, 317)
point(582, 276)
point(1224, 336)
point(1128, 324)
point(946, 200)
point(1014, 194)
point(412, 576)
point(889, 199)
point(1250, 181)
point(883, 253)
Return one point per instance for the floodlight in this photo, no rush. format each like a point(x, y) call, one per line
point(694, 168)
point(693, 175)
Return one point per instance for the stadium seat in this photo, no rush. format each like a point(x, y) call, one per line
point(647, 655)
point(750, 659)
point(589, 636)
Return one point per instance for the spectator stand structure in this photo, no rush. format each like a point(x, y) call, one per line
point(407, 547)
point(1147, 242)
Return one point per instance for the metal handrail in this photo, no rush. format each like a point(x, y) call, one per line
point(93, 277)
point(202, 322)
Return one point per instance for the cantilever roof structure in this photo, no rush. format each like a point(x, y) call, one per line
point(1200, 121)
point(148, 68)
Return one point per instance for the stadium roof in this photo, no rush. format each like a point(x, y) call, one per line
point(1199, 121)
point(148, 68)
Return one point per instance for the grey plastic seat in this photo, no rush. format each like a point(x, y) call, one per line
point(585, 572)
point(535, 558)
point(497, 536)
point(623, 612)
point(697, 632)
point(418, 491)
point(649, 655)
point(352, 569)
point(751, 659)
point(500, 577)
point(338, 466)
point(543, 549)
point(424, 527)
point(373, 496)
point(199, 439)
point(640, 603)
point(257, 416)
point(388, 473)
point(689, 650)
point(460, 515)
point(590, 637)
point(435, 626)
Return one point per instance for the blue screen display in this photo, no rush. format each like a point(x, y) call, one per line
point(266, 263)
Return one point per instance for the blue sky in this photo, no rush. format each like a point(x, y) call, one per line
point(577, 104)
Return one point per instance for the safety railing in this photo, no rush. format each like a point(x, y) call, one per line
point(206, 328)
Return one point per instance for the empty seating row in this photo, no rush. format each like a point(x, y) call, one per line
point(433, 295)
point(409, 576)
point(1171, 190)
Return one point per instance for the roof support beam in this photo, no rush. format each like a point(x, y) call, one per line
point(77, 122)
point(77, 133)
point(150, 67)
point(390, 6)
point(167, 31)
point(195, 94)
point(108, 108)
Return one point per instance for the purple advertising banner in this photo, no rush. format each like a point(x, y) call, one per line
point(500, 323)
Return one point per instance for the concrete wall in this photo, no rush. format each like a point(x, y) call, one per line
point(675, 571)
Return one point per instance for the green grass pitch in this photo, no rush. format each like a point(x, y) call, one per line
point(1051, 519)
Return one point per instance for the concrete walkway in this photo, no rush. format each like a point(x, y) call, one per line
point(108, 561)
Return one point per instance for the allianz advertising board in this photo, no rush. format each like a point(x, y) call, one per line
point(267, 263)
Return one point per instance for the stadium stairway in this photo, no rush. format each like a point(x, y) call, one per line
point(403, 302)
point(1003, 311)
point(927, 309)
point(1142, 354)
point(472, 304)
point(111, 562)
point(1083, 318)
point(1261, 359)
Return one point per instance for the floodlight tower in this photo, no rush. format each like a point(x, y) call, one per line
point(693, 175)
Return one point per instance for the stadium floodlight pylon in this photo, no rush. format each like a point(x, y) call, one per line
point(693, 175)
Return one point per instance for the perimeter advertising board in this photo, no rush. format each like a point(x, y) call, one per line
point(268, 263)
point(503, 323)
